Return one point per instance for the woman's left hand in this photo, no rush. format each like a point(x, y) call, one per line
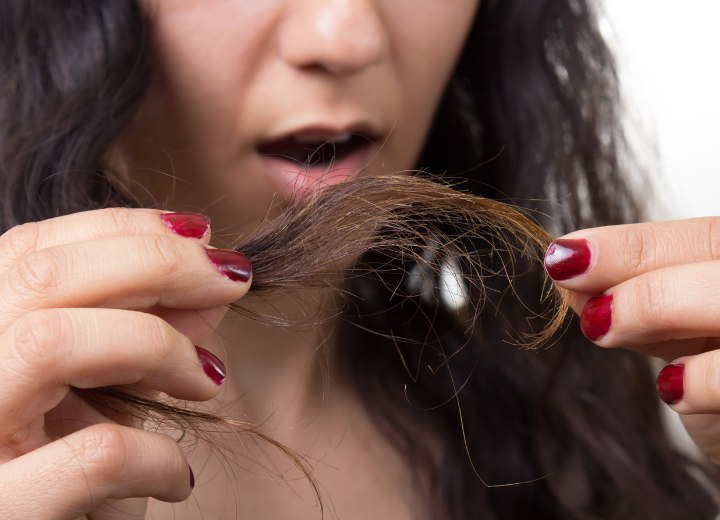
point(654, 288)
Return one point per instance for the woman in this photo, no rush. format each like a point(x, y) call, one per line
point(210, 106)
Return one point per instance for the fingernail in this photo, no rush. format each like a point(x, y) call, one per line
point(670, 383)
point(231, 264)
point(211, 365)
point(567, 258)
point(596, 317)
point(192, 478)
point(188, 225)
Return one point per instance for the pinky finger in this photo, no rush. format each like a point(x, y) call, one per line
point(83, 470)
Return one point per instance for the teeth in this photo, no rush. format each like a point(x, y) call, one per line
point(317, 137)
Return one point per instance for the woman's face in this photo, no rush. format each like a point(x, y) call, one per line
point(254, 101)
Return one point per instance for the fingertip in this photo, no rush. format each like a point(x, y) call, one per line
point(213, 368)
point(187, 224)
point(670, 383)
point(596, 317)
point(690, 384)
point(233, 265)
point(567, 258)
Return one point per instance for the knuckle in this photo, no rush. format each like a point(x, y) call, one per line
point(20, 239)
point(159, 346)
point(711, 380)
point(107, 454)
point(120, 219)
point(653, 309)
point(639, 247)
point(103, 451)
point(165, 253)
point(714, 237)
point(36, 338)
point(36, 274)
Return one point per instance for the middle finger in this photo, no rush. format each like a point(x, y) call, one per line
point(656, 307)
point(48, 351)
point(129, 272)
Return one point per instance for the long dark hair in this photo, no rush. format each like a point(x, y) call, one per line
point(531, 113)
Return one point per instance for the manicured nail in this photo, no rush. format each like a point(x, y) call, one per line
point(211, 365)
point(670, 383)
point(192, 478)
point(231, 264)
point(567, 258)
point(596, 317)
point(188, 225)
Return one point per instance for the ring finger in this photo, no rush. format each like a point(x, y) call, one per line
point(656, 307)
point(47, 352)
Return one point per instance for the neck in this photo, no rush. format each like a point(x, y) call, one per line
point(277, 376)
point(282, 380)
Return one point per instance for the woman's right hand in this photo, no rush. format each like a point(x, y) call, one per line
point(93, 299)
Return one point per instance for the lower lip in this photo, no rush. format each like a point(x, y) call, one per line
point(300, 181)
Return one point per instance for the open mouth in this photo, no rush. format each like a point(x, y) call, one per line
point(307, 161)
point(316, 150)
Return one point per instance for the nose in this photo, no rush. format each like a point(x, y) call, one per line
point(342, 37)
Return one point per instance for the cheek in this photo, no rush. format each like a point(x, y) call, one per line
point(428, 36)
point(207, 53)
point(427, 39)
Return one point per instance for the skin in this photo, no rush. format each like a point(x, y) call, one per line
point(662, 277)
point(233, 74)
point(115, 297)
point(223, 84)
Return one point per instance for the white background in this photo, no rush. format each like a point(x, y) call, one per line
point(669, 53)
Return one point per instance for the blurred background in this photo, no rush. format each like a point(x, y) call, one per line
point(669, 54)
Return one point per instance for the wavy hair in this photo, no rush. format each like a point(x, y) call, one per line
point(531, 114)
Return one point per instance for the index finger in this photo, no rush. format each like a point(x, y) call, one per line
point(593, 260)
point(102, 223)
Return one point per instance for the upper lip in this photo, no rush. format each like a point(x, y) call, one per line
point(326, 132)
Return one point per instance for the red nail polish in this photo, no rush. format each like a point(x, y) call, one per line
point(670, 383)
point(211, 365)
point(567, 258)
point(188, 225)
point(596, 317)
point(231, 264)
point(192, 478)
